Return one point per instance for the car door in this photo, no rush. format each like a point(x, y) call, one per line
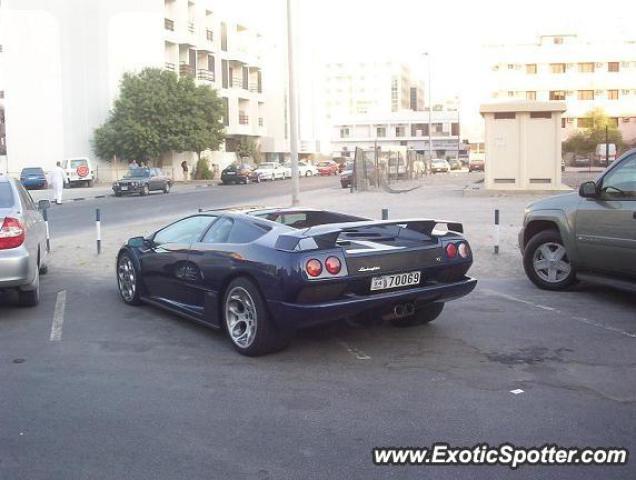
point(606, 225)
point(164, 266)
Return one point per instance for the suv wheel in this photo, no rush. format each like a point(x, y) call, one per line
point(166, 188)
point(546, 261)
point(247, 321)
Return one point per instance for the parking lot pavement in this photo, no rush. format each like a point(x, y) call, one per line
point(138, 393)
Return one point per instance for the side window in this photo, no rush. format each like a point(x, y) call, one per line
point(184, 231)
point(245, 232)
point(219, 232)
point(25, 198)
point(621, 181)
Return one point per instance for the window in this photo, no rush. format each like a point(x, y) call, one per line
point(505, 116)
point(621, 181)
point(557, 67)
point(531, 95)
point(563, 122)
point(6, 195)
point(380, 131)
point(540, 114)
point(557, 95)
point(245, 232)
point(584, 123)
point(455, 129)
point(613, 66)
point(586, 67)
point(399, 131)
point(187, 230)
point(557, 40)
point(612, 94)
point(531, 68)
point(219, 232)
point(344, 132)
point(585, 94)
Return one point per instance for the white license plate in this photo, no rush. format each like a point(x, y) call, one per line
point(124, 188)
point(394, 281)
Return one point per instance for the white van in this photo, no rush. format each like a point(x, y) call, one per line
point(79, 171)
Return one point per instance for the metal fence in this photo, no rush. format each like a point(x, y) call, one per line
point(377, 168)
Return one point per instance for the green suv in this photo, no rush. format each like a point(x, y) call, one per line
point(588, 235)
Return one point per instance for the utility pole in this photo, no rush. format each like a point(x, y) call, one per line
point(293, 122)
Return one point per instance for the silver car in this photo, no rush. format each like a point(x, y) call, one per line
point(23, 252)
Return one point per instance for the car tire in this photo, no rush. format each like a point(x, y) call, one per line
point(118, 194)
point(44, 269)
point(307, 173)
point(30, 298)
point(128, 283)
point(546, 249)
point(144, 191)
point(247, 321)
point(89, 184)
point(166, 188)
point(422, 315)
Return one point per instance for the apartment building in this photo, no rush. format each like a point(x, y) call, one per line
point(583, 73)
point(63, 62)
point(354, 88)
point(406, 128)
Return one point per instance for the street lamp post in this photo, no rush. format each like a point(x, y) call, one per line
point(293, 123)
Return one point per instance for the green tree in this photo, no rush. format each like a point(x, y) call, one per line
point(156, 112)
point(585, 140)
point(247, 147)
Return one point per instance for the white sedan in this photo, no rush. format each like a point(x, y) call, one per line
point(270, 171)
point(304, 169)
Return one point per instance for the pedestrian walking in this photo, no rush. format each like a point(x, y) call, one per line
point(56, 179)
point(186, 171)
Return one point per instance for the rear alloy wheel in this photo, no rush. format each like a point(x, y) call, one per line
point(127, 280)
point(422, 315)
point(166, 189)
point(144, 191)
point(308, 173)
point(247, 321)
point(546, 261)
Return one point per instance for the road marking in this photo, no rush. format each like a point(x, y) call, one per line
point(516, 391)
point(357, 353)
point(58, 317)
point(584, 320)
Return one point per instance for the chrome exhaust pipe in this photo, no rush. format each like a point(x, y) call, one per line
point(398, 311)
point(403, 310)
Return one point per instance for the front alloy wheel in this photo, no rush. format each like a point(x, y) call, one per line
point(127, 280)
point(546, 261)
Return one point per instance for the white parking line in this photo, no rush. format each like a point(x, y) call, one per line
point(58, 317)
point(584, 320)
point(357, 353)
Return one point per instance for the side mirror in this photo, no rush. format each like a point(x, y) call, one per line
point(44, 204)
point(138, 242)
point(588, 190)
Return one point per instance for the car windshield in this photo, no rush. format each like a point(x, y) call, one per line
point(6, 195)
point(32, 171)
point(137, 173)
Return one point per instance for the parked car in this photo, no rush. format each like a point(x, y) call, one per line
point(33, 177)
point(287, 169)
point(327, 167)
point(455, 164)
point(23, 253)
point(270, 171)
point(142, 180)
point(79, 171)
point(304, 169)
point(476, 165)
point(260, 275)
point(238, 173)
point(439, 165)
point(589, 234)
point(347, 174)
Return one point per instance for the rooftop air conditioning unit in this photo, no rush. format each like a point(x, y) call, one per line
point(598, 92)
point(625, 92)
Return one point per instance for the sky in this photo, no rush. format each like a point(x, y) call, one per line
point(452, 31)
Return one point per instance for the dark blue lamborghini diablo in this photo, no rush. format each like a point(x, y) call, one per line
point(262, 273)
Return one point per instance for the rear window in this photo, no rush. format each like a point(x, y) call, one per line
point(32, 171)
point(6, 195)
point(80, 162)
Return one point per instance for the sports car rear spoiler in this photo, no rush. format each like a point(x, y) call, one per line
point(326, 236)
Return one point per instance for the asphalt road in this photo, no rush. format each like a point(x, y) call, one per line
point(74, 217)
point(137, 393)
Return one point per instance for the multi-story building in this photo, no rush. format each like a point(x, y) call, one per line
point(568, 68)
point(408, 129)
point(354, 88)
point(63, 62)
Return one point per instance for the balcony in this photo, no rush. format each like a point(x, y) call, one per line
point(254, 88)
point(170, 66)
point(244, 118)
point(207, 75)
point(168, 24)
point(191, 27)
point(260, 121)
point(186, 69)
point(209, 35)
point(236, 81)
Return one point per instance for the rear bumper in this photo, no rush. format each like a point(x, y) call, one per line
point(17, 269)
point(296, 315)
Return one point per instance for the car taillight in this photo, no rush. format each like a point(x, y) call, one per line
point(333, 265)
point(313, 267)
point(451, 250)
point(463, 250)
point(11, 233)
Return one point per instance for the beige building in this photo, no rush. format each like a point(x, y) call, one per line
point(584, 74)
